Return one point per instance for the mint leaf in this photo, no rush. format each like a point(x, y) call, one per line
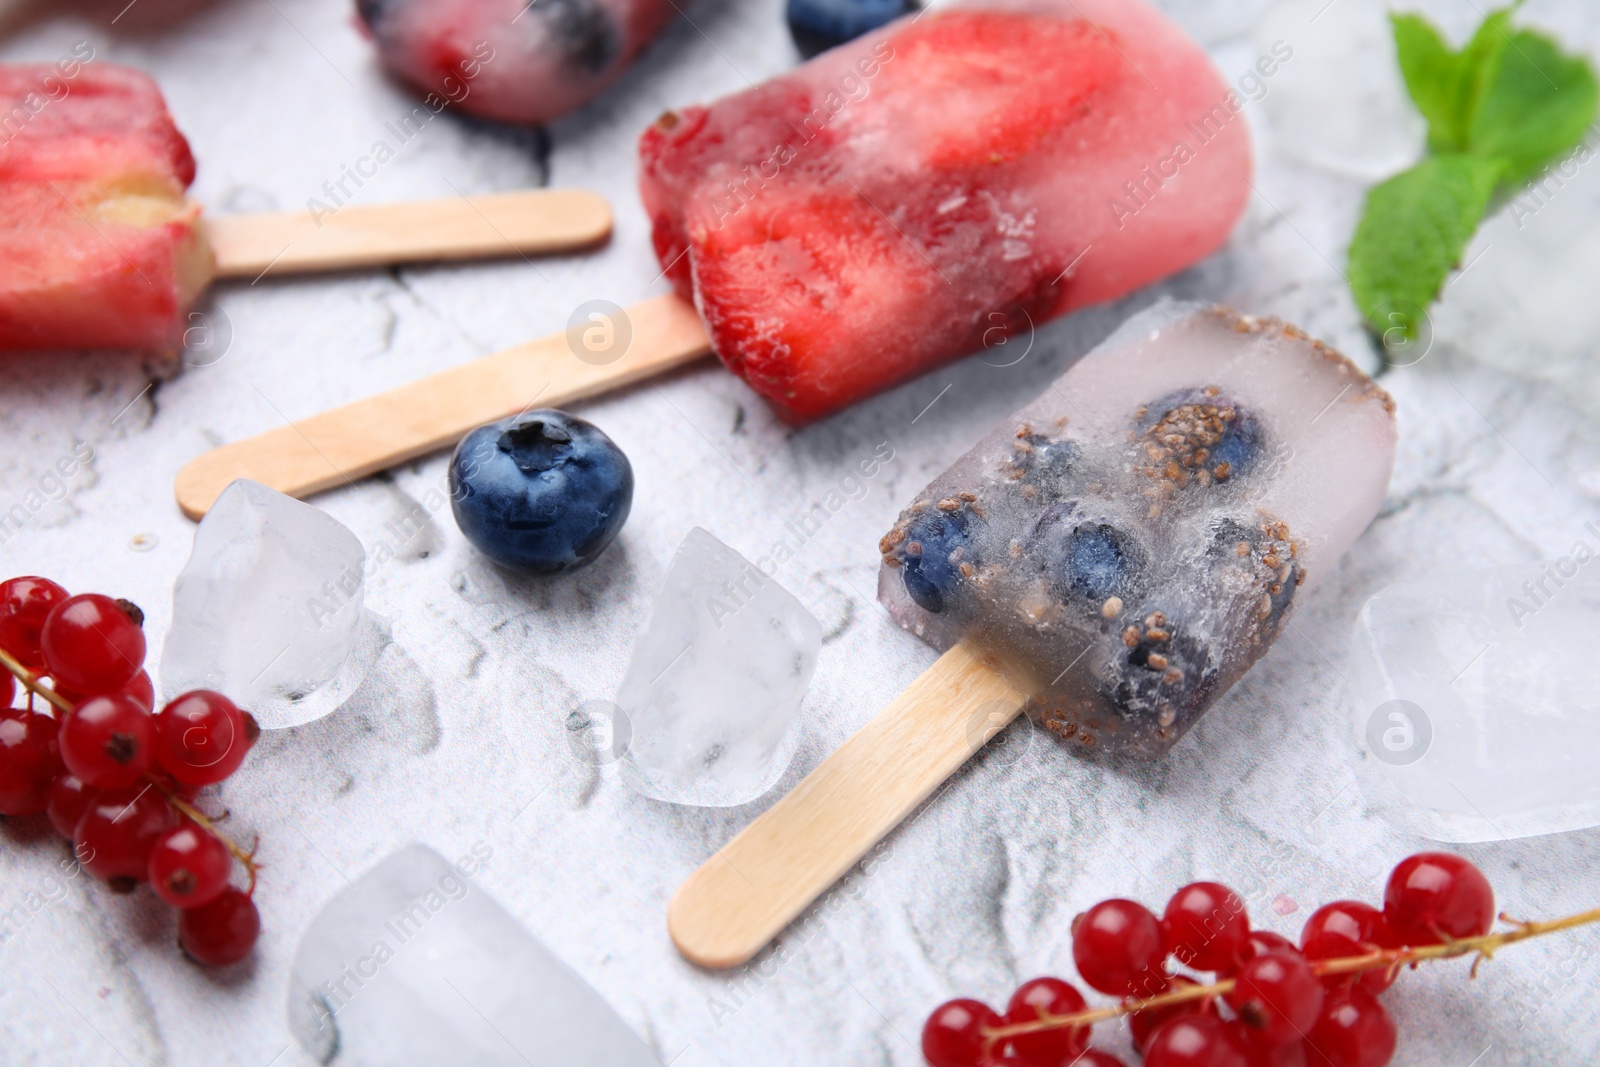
point(1539, 107)
point(1430, 69)
point(1499, 110)
point(1449, 87)
point(1481, 61)
point(1411, 236)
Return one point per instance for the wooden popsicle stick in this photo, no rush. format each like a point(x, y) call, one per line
point(759, 882)
point(528, 222)
point(350, 442)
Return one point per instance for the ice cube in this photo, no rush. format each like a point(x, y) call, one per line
point(414, 966)
point(1523, 301)
point(713, 691)
point(1339, 101)
point(268, 611)
point(1476, 699)
point(1131, 543)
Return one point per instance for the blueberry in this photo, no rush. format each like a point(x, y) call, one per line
point(540, 492)
point(1090, 560)
point(373, 12)
point(1201, 429)
point(1264, 555)
point(931, 538)
point(1044, 462)
point(1094, 562)
point(818, 25)
point(1166, 678)
point(583, 31)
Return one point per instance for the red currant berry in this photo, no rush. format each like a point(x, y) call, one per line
point(1348, 928)
point(202, 738)
point(1277, 997)
point(189, 867)
point(118, 830)
point(1260, 943)
point(1206, 926)
point(1119, 949)
point(953, 1034)
point(92, 644)
point(140, 691)
point(24, 605)
point(1436, 896)
point(1093, 1057)
point(29, 761)
point(69, 799)
point(108, 742)
point(1290, 1054)
point(1354, 1030)
point(1143, 1024)
point(8, 689)
point(221, 932)
point(1195, 1041)
point(1048, 1048)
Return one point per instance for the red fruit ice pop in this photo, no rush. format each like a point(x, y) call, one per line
point(99, 248)
point(872, 214)
point(511, 59)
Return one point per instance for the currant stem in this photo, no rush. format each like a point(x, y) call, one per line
point(1483, 946)
point(30, 682)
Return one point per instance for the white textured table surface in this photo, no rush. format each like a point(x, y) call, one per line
point(459, 736)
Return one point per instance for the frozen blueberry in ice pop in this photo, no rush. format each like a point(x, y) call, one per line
point(510, 59)
point(1132, 542)
point(98, 247)
point(875, 212)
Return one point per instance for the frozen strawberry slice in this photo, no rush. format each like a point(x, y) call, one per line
point(896, 202)
point(1005, 82)
point(98, 247)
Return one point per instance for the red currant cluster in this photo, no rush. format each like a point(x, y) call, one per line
point(1273, 1004)
point(113, 778)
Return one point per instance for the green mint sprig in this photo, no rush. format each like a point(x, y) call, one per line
point(1499, 110)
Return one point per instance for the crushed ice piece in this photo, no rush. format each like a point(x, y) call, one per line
point(1129, 544)
point(1476, 699)
point(268, 611)
point(414, 966)
point(1339, 101)
point(718, 673)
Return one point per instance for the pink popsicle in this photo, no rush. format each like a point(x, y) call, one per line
point(511, 59)
point(874, 213)
point(98, 247)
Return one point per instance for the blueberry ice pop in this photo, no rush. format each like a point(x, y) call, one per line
point(1132, 542)
point(1112, 558)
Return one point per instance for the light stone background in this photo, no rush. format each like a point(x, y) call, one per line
point(460, 738)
